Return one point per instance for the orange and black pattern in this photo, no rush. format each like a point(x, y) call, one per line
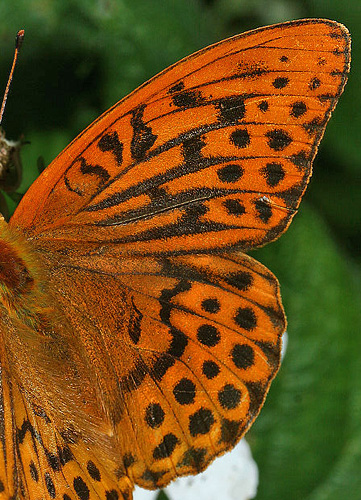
point(139, 339)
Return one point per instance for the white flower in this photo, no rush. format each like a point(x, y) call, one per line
point(234, 476)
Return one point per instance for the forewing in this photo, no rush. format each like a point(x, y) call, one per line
point(218, 145)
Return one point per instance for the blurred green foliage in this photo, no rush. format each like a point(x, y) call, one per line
point(79, 57)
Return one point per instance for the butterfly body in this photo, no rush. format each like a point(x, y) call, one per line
point(139, 340)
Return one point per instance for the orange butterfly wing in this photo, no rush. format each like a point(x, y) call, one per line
point(129, 225)
point(187, 369)
point(218, 145)
point(47, 464)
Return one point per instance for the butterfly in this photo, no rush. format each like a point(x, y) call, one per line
point(139, 339)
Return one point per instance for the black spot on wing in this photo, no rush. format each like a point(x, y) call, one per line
point(165, 361)
point(50, 485)
point(33, 472)
point(234, 207)
point(166, 448)
point(250, 71)
point(188, 99)
point(176, 88)
point(178, 340)
point(263, 106)
point(65, 455)
point(156, 193)
point(184, 391)
point(241, 280)
point(314, 126)
point(210, 369)
point(314, 84)
point(298, 109)
point(211, 305)
point(230, 173)
point(240, 138)
point(229, 397)
point(271, 351)
point(242, 356)
point(81, 489)
point(192, 150)
point(278, 139)
point(325, 97)
point(111, 142)
point(114, 495)
point(134, 326)
point(301, 160)
point(246, 318)
point(256, 392)
point(208, 335)
point(230, 430)
point(143, 137)
point(53, 460)
point(168, 294)
point(152, 477)
point(154, 415)
point(193, 457)
point(27, 427)
point(93, 470)
point(201, 422)
point(87, 168)
point(128, 460)
point(231, 110)
point(280, 82)
point(263, 209)
point(274, 173)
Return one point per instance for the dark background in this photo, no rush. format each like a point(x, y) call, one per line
point(80, 57)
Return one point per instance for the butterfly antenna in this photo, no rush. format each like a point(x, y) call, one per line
point(18, 42)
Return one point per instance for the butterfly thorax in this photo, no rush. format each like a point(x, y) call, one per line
point(20, 276)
